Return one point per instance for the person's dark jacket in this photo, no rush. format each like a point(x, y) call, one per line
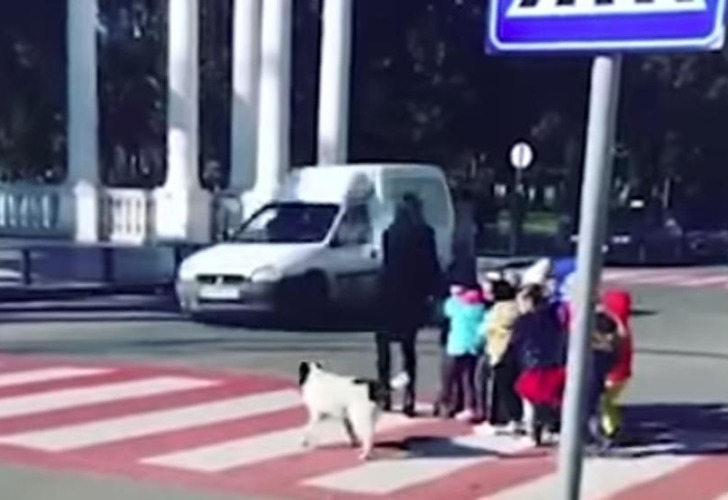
point(410, 273)
point(538, 340)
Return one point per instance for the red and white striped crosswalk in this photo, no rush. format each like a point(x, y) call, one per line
point(685, 278)
point(240, 433)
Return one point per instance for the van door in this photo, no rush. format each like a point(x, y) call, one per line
point(354, 260)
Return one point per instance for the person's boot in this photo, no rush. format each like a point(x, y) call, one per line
point(601, 445)
point(408, 407)
point(537, 434)
point(387, 401)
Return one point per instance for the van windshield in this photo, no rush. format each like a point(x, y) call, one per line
point(288, 222)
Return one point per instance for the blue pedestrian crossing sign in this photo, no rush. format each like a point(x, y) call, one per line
point(597, 26)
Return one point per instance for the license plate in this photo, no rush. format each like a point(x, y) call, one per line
point(218, 292)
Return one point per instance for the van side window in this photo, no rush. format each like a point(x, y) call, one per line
point(430, 191)
point(355, 227)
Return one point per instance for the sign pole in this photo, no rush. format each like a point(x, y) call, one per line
point(521, 157)
point(603, 106)
point(517, 202)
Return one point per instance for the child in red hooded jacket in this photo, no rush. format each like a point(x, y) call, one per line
point(618, 304)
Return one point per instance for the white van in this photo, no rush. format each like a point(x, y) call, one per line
point(317, 243)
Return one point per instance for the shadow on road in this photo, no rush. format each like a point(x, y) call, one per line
point(637, 313)
point(654, 429)
point(676, 429)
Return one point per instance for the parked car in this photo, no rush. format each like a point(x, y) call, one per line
point(637, 235)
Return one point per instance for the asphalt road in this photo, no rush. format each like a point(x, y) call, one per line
point(681, 335)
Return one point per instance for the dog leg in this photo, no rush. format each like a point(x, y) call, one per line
point(366, 448)
point(307, 437)
point(364, 423)
point(353, 439)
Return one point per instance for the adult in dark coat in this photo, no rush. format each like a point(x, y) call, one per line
point(410, 278)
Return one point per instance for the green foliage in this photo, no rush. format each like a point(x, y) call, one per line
point(423, 90)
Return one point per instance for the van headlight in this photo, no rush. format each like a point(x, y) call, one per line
point(266, 274)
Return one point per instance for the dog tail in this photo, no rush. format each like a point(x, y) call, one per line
point(399, 382)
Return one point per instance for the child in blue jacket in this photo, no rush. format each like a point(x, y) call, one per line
point(465, 310)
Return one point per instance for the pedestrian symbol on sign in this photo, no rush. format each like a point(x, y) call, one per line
point(550, 8)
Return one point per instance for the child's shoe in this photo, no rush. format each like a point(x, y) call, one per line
point(487, 429)
point(440, 410)
point(466, 415)
point(515, 428)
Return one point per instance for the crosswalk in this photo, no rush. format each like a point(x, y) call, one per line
point(683, 278)
point(240, 433)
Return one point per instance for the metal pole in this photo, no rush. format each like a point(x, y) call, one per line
point(603, 105)
point(517, 201)
point(334, 81)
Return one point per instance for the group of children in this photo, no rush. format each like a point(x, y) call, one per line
point(504, 354)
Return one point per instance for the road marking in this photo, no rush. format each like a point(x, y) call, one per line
point(706, 280)
point(232, 436)
point(603, 477)
point(610, 275)
point(117, 429)
point(238, 453)
point(429, 462)
point(47, 375)
point(70, 398)
point(654, 278)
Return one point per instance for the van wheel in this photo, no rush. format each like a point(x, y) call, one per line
point(194, 314)
point(305, 297)
point(315, 295)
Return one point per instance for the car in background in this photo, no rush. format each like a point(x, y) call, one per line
point(641, 235)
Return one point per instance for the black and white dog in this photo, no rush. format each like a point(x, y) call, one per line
point(357, 402)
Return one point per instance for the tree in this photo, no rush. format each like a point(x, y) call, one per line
point(32, 90)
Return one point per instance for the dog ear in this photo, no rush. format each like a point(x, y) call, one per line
point(304, 369)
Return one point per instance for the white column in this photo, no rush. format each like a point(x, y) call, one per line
point(182, 206)
point(334, 82)
point(273, 152)
point(82, 121)
point(246, 80)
